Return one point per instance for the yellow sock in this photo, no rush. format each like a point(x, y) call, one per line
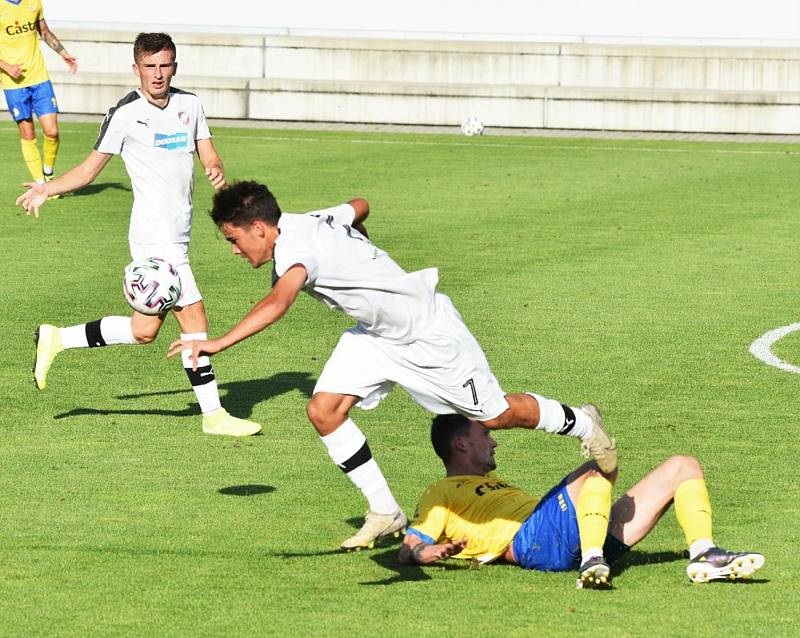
point(30, 152)
point(593, 510)
point(693, 509)
point(50, 150)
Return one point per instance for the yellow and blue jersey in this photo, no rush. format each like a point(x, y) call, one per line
point(484, 509)
point(19, 42)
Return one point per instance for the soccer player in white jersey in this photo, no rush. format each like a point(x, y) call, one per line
point(156, 129)
point(407, 333)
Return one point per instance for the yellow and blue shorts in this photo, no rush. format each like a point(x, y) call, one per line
point(24, 102)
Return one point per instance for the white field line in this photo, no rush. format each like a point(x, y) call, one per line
point(254, 137)
point(760, 348)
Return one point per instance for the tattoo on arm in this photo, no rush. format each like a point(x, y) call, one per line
point(52, 41)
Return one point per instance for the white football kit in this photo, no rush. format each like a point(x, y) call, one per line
point(158, 147)
point(407, 333)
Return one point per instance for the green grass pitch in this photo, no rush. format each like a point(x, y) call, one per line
point(632, 274)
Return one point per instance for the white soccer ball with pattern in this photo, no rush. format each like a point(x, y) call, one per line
point(472, 126)
point(151, 285)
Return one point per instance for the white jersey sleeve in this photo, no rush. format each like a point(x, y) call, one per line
point(113, 130)
point(202, 132)
point(343, 214)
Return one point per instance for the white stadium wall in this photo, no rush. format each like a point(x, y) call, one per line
point(698, 66)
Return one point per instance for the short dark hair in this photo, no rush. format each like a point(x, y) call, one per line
point(444, 429)
point(243, 203)
point(150, 43)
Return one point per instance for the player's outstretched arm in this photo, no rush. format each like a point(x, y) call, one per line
point(361, 207)
point(417, 551)
point(263, 314)
point(75, 178)
point(54, 43)
point(212, 163)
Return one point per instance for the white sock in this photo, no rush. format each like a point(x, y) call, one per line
point(553, 418)
point(203, 381)
point(592, 552)
point(347, 446)
point(699, 546)
point(108, 331)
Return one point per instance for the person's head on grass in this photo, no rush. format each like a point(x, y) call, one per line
point(247, 213)
point(465, 446)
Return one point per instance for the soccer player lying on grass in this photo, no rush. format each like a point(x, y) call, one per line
point(474, 514)
point(407, 333)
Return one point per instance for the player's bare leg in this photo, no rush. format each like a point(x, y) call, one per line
point(348, 448)
point(586, 423)
point(216, 419)
point(680, 481)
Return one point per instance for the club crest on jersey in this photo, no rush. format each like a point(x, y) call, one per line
point(183, 116)
point(171, 141)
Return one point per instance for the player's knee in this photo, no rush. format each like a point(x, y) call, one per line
point(144, 337)
point(316, 412)
point(326, 415)
point(50, 131)
point(686, 467)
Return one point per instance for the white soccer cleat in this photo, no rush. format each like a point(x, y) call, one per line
point(719, 564)
point(376, 526)
point(220, 422)
point(599, 445)
point(47, 340)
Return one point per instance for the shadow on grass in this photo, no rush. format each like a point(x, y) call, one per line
point(93, 189)
point(404, 573)
point(386, 559)
point(246, 490)
point(636, 557)
point(240, 397)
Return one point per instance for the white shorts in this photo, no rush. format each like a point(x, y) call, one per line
point(444, 370)
point(178, 256)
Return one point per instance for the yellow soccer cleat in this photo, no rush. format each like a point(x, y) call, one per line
point(220, 422)
point(376, 526)
point(48, 344)
point(599, 446)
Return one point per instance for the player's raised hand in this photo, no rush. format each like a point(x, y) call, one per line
point(32, 199)
point(216, 176)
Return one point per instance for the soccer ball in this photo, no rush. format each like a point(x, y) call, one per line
point(472, 126)
point(151, 285)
